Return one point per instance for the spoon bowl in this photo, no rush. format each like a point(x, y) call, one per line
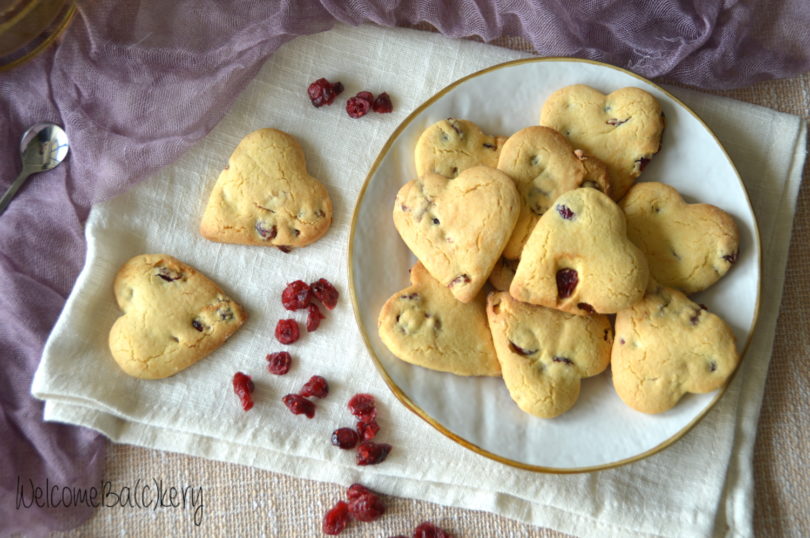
point(43, 147)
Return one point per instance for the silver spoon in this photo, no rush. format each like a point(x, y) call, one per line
point(43, 147)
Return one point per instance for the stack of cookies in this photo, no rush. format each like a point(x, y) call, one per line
point(542, 259)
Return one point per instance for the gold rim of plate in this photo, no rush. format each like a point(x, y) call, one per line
point(411, 405)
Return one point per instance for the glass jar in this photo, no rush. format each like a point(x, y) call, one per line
point(29, 26)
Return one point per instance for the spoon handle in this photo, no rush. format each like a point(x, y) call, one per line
point(13, 188)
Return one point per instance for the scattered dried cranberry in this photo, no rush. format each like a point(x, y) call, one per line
point(336, 518)
point(314, 318)
point(367, 96)
point(296, 295)
point(371, 453)
point(363, 407)
point(427, 529)
point(287, 331)
point(366, 507)
point(345, 438)
point(382, 104)
point(325, 292)
point(514, 348)
point(243, 386)
point(279, 363)
point(298, 405)
point(322, 92)
point(358, 106)
point(567, 280)
point(565, 212)
point(368, 430)
point(316, 386)
point(356, 490)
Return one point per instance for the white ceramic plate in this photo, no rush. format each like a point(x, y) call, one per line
point(600, 431)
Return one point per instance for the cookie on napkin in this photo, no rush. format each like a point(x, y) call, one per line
point(543, 165)
point(173, 316)
point(425, 325)
point(623, 128)
point(266, 197)
point(688, 246)
point(450, 146)
point(458, 227)
point(544, 353)
point(578, 258)
point(667, 346)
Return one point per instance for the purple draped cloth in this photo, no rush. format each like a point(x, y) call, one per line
point(137, 82)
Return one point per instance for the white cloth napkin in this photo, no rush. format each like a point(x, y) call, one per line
point(701, 485)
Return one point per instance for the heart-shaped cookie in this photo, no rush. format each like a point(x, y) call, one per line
point(666, 346)
point(623, 128)
point(425, 325)
point(688, 246)
point(544, 353)
point(543, 165)
point(579, 259)
point(458, 227)
point(173, 316)
point(450, 146)
point(265, 196)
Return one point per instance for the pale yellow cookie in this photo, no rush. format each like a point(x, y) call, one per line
point(579, 259)
point(543, 165)
point(450, 146)
point(544, 353)
point(667, 346)
point(266, 197)
point(425, 325)
point(173, 316)
point(689, 246)
point(623, 128)
point(458, 227)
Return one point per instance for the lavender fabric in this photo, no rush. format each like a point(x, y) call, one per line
point(137, 82)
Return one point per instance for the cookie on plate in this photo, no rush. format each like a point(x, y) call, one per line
point(579, 259)
point(458, 227)
point(450, 146)
point(425, 325)
point(266, 197)
point(543, 165)
point(667, 346)
point(688, 246)
point(173, 316)
point(623, 128)
point(503, 273)
point(544, 353)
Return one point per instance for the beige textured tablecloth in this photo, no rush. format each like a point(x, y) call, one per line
point(245, 501)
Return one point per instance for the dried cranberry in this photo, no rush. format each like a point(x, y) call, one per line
point(325, 292)
point(363, 407)
point(356, 490)
point(367, 96)
point(586, 307)
point(279, 363)
point(322, 92)
point(368, 430)
point(296, 295)
point(336, 518)
point(345, 438)
point(243, 386)
point(287, 331)
point(382, 104)
point(427, 529)
point(357, 106)
point(314, 318)
point(567, 280)
point(367, 507)
point(565, 212)
point(298, 405)
point(371, 453)
point(514, 348)
point(316, 386)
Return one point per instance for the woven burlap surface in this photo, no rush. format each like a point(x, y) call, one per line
point(244, 501)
